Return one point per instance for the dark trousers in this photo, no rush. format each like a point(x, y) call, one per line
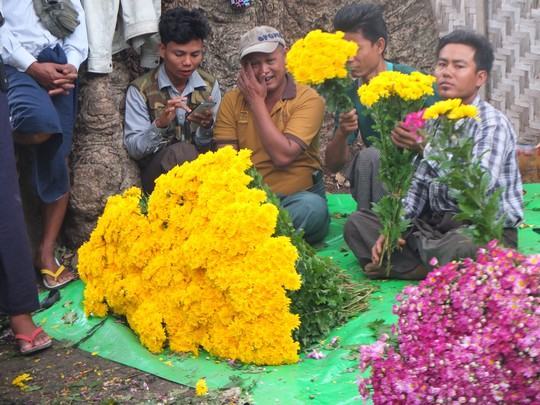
point(164, 160)
point(18, 290)
point(427, 238)
point(34, 111)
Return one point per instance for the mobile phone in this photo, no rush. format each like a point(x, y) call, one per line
point(203, 107)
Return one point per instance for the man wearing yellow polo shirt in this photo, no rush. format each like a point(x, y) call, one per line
point(279, 120)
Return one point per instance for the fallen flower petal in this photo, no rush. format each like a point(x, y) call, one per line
point(201, 388)
point(317, 355)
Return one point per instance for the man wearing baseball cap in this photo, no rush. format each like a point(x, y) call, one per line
point(279, 120)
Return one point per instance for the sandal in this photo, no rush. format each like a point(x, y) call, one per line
point(31, 339)
point(55, 276)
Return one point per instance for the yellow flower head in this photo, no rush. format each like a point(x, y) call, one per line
point(201, 388)
point(320, 56)
point(463, 111)
point(409, 87)
point(452, 108)
point(21, 380)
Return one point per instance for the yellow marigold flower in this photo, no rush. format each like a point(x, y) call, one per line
point(21, 380)
point(452, 108)
point(409, 87)
point(441, 108)
point(320, 56)
point(201, 388)
point(463, 111)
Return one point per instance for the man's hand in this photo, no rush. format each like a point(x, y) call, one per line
point(54, 77)
point(67, 83)
point(405, 138)
point(348, 122)
point(377, 249)
point(205, 118)
point(169, 113)
point(252, 88)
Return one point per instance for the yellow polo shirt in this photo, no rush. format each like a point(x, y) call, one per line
point(298, 116)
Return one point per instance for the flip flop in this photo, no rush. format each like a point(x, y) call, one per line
point(54, 275)
point(52, 298)
point(31, 339)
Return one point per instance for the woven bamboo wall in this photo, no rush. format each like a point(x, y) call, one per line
point(513, 27)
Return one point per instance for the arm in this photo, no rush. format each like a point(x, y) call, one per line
point(281, 149)
point(13, 52)
point(338, 151)
point(491, 145)
point(76, 45)
point(141, 136)
point(225, 126)
point(54, 77)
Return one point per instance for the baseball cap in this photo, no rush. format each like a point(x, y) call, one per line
point(260, 39)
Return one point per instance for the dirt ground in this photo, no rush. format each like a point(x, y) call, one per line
point(63, 375)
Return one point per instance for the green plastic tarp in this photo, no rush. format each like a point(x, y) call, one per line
point(331, 380)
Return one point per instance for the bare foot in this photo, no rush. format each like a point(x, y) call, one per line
point(23, 325)
point(374, 272)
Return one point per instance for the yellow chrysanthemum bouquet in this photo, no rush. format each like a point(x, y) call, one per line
point(203, 262)
point(451, 150)
point(390, 97)
point(320, 60)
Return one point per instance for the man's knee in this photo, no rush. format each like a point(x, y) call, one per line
point(177, 154)
point(33, 125)
point(308, 211)
point(31, 139)
point(360, 232)
point(350, 229)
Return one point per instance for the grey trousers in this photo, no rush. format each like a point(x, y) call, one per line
point(363, 174)
point(425, 239)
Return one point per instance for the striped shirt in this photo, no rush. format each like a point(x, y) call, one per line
point(495, 144)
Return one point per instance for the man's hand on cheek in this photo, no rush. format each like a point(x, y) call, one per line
point(252, 88)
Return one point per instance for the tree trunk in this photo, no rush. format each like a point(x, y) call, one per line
point(100, 165)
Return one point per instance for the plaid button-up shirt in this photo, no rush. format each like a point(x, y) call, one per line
point(495, 144)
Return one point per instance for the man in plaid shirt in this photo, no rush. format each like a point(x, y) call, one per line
point(464, 62)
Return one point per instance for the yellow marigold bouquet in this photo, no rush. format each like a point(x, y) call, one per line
point(468, 182)
point(197, 264)
point(390, 97)
point(320, 60)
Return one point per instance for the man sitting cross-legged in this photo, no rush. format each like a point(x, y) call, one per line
point(463, 64)
point(364, 24)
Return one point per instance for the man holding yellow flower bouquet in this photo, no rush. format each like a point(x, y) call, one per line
point(435, 237)
point(363, 24)
point(279, 120)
